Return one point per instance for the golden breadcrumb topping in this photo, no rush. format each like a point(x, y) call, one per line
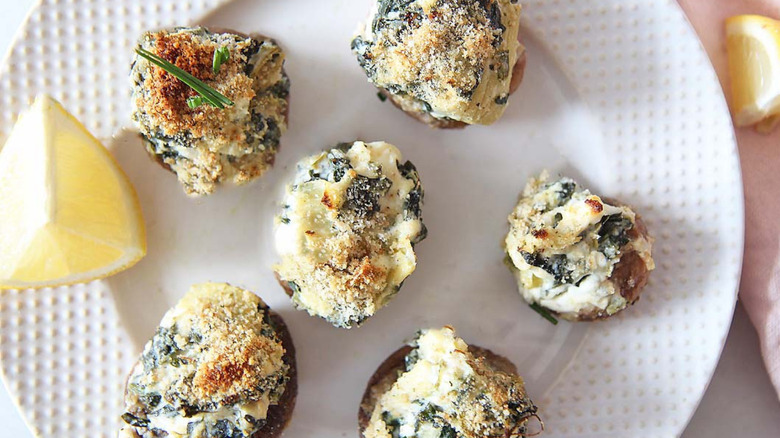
point(166, 105)
point(238, 355)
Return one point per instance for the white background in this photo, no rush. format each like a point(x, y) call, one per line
point(739, 402)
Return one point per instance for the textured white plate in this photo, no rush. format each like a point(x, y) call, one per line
point(618, 94)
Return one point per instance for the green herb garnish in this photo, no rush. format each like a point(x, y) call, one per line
point(544, 313)
point(194, 101)
point(221, 55)
point(210, 95)
point(381, 96)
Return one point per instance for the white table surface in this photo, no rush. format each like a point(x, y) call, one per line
point(740, 401)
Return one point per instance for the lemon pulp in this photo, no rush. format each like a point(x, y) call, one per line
point(68, 213)
point(753, 46)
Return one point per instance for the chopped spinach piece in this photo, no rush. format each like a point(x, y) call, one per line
point(613, 234)
point(556, 219)
point(264, 132)
point(448, 431)
point(269, 327)
point(502, 65)
point(163, 349)
point(396, 14)
point(223, 429)
point(557, 265)
point(352, 321)
point(333, 167)
point(502, 99)
point(411, 359)
point(281, 89)
point(413, 202)
point(381, 96)
point(393, 424)
point(150, 400)
point(494, 16)
point(134, 421)
point(250, 51)
point(257, 422)
point(566, 191)
point(362, 195)
point(522, 409)
point(467, 93)
point(189, 410)
point(362, 48)
point(420, 237)
point(272, 134)
point(427, 415)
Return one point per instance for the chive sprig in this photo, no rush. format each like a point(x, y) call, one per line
point(207, 94)
point(544, 313)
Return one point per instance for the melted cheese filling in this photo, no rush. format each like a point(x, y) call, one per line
point(451, 59)
point(346, 236)
point(554, 247)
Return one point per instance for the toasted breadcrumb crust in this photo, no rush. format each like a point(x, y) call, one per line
point(347, 231)
point(443, 385)
point(215, 356)
point(571, 251)
point(205, 146)
point(451, 59)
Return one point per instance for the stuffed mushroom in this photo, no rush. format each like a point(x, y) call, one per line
point(206, 145)
point(347, 231)
point(447, 63)
point(575, 254)
point(440, 387)
point(220, 365)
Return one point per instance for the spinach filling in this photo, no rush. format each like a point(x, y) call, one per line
point(223, 429)
point(134, 421)
point(566, 191)
point(333, 167)
point(557, 265)
point(613, 234)
point(393, 424)
point(432, 415)
point(413, 202)
point(163, 350)
point(362, 197)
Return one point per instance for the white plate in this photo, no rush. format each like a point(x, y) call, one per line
point(617, 94)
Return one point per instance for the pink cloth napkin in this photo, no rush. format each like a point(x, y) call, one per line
point(760, 155)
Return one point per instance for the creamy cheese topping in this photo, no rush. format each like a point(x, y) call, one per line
point(206, 145)
point(447, 392)
point(563, 244)
point(347, 230)
point(452, 59)
point(211, 370)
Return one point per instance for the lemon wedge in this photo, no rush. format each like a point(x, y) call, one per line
point(753, 45)
point(68, 213)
